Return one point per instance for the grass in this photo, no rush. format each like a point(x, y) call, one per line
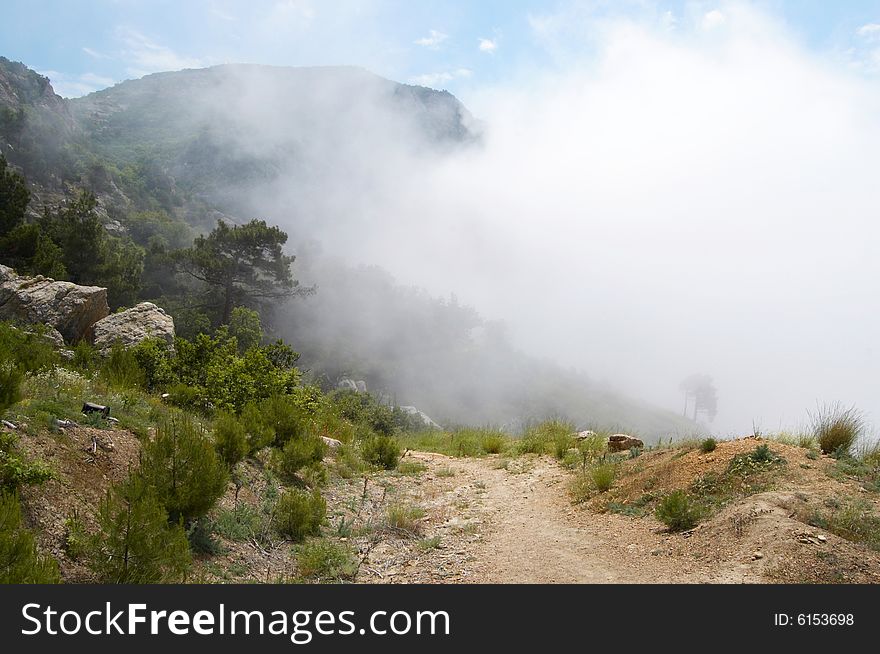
point(325, 560)
point(836, 428)
point(550, 435)
point(427, 544)
point(855, 521)
point(708, 445)
point(602, 476)
point(411, 468)
point(445, 471)
point(405, 518)
point(678, 511)
point(476, 442)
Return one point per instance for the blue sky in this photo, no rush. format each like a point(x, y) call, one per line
point(458, 44)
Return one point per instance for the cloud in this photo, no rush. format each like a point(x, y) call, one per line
point(713, 19)
point(437, 80)
point(870, 31)
point(144, 55)
point(488, 46)
point(433, 41)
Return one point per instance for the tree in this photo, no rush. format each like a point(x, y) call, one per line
point(20, 560)
point(135, 543)
point(14, 198)
point(182, 467)
point(244, 264)
point(702, 390)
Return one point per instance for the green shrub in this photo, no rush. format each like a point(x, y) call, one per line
point(762, 454)
point(836, 428)
point(381, 451)
point(678, 512)
point(299, 514)
point(277, 418)
point(183, 468)
point(298, 453)
point(121, 369)
point(10, 385)
point(493, 443)
point(708, 445)
point(85, 356)
point(154, 360)
point(135, 543)
point(15, 469)
point(230, 439)
point(20, 561)
point(404, 517)
point(240, 523)
point(603, 476)
point(325, 560)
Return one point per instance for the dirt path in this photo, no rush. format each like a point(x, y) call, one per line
point(525, 530)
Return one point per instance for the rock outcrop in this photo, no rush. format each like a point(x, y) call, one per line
point(621, 442)
point(69, 308)
point(132, 326)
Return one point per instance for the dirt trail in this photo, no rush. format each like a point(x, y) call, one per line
point(529, 532)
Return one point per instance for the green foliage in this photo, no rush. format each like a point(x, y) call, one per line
point(153, 357)
point(760, 459)
point(550, 434)
point(242, 264)
point(299, 514)
point(404, 517)
point(603, 476)
point(678, 512)
point(135, 543)
point(363, 408)
point(381, 451)
point(325, 560)
point(90, 254)
point(276, 419)
point(837, 428)
point(121, 370)
point(14, 198)
point(239, 524)
point(20, 561)
point(855, 520)
point(184, 469)
point(230, 439)
point(298, 453)
point(224, 379)
point(245, 328)
point(10, 384)
point(85, 357)
point(15, 469)
point(708, 445)
point(493, 443)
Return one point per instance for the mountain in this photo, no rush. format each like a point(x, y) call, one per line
point(317, 151)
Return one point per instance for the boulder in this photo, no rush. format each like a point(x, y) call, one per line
point(347, 385)
point(424, 417)
point(132, 326)
point(583, 435)
point(66, 307)
point(621, 442)
point(332, 443)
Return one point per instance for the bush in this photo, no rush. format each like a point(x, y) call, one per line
point(381, 451)
point(183, 467)
point(603, 476)
point(15, 469)
point(121, 369)
point(135, 543)
point(154, 359)
point(678, 512)
point(708, 445)
point(325, 560)
point(299, 514)
point(230, 439)
point(278, 419)
point(493, 443)
point(20, 561)
point(10, 385)
point(297, 454)
point(837, 428)
point(405, 518)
